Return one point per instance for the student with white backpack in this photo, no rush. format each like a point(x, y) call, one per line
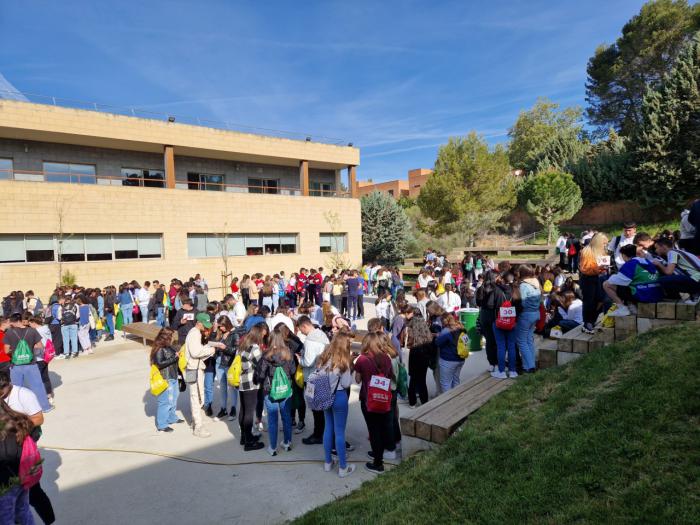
point(336, 363)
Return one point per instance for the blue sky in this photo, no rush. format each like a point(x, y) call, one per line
point(395, 78)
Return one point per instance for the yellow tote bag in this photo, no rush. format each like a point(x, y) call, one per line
point(158, 383)
point(182, 359)
point(233, 376)
point(99, 325)
point(299, 376)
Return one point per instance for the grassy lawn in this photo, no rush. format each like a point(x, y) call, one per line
point(611, 438)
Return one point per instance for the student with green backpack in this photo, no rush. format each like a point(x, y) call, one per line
point(21, 344)
point(275, 373)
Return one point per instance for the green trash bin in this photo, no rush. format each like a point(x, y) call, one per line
point(468, 317)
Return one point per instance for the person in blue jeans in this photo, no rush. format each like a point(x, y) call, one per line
point(14, 499)
point(352, 284)
point(126, 304)
point(449, 362)
point(336, 361)
point(529, 313)
point(277, 356)
point(68, 314)
point(26, 374)
point(224, 357)
point(165, 357)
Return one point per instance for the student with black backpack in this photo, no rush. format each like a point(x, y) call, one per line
point(68, 314)
point(274, 373)
point(22, 343)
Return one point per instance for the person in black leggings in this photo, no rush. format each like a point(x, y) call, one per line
point(418, 339)
point(250, 352)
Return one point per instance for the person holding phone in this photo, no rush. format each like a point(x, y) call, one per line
point(184, 321)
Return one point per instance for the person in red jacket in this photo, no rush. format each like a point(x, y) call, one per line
point(4, 358)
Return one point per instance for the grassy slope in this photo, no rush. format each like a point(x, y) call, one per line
point(612, 438)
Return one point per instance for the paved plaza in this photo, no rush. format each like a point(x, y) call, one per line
point(103, 402)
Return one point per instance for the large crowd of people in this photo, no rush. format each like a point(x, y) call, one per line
point(276, 345)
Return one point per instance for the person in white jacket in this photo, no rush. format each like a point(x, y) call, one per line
point(315, 342)
point(450, 301)
point(143, 297)
point(196, 353)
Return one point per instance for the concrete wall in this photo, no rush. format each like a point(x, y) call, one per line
point(28, 155)
point(396, 187)
point(416, 179)
point(30, 207)
point(39, 122)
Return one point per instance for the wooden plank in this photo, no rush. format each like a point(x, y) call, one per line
point(580, 344)
point(441, 430)
point(423, 423)
point(146, 332)
point(666, 310)
point(564, 344)
point(629, 322)
point(646, 310)
point(410, 421)
point(685, 312)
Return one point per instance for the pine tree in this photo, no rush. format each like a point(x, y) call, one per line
point(385, 229)
point(666, 147)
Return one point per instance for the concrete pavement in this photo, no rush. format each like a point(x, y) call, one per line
point(103, 402)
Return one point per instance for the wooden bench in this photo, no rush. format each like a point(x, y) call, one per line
point(439, 418)
point(146, 332)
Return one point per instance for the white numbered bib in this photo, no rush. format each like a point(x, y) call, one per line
point(603, 260)
point(507, 311)
point(382, 383)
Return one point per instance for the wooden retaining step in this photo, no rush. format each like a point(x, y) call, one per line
point(439, 418)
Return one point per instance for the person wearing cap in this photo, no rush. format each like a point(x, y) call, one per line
point(196, 353)
point(629, 230)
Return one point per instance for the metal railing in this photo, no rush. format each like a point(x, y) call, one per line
point(133, 111)
point(111, 180)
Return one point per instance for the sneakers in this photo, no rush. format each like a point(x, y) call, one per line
point(253, 446)
point(498, 375)
point(311, 440)
point(513, 374)
point(271, 451)
point(232, 414)
point(300, 428)
point(327, 467)
point(388, 454)
point(208, 411)
point(620, 311)
point(201, 433)
point(693, 299)
point(255, 431)
point(221, 415)
point(60, 356)
point(374, 469)
point(345, 472)
point(588, 328)
point(349, 447)
point(166, 429)
point(287, 447)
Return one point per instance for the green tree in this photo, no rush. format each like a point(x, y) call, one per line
point(551, 197)
point(603, 173)
point(619, 74)
point(406, 202)
point(385, 229)
point(666, 147)
point(545, 135)
point(470, 190)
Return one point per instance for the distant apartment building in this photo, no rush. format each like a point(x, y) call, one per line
point(397, 188)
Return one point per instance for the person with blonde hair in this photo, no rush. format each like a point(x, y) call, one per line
point(336, 361)
point(593, 267)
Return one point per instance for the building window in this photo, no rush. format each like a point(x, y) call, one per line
point(39, 248)
point(236, 244)
point(64, 172)
point(263, 185)
point(147, 178)
point(5, 169)
point(333, 242)
point(77, 247)
point(206, 182)
point(321, 189)
point(391, 192)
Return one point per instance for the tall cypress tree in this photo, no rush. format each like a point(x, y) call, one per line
point(666, 146)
